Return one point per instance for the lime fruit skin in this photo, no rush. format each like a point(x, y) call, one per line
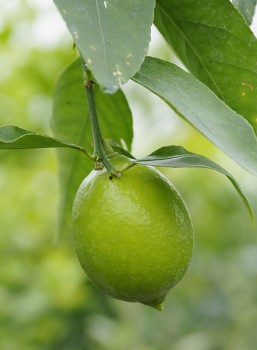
point(133, 235)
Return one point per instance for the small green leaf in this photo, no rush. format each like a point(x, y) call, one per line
point(179, 157)
point(247, 8)
point(13, 137)
point(215, 43)
point(71, 122)
point(113, 35)
point(117, 148)
point(201, 107)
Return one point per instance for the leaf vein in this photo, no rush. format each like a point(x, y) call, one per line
point(193, 50)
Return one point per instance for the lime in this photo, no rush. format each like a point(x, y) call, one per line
point(132, 234)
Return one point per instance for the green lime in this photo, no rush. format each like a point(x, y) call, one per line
point(133, 234)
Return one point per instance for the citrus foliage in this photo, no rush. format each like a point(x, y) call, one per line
point(37, 303)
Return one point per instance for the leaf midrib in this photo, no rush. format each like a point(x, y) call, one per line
point(193, 49)
point(103, 39)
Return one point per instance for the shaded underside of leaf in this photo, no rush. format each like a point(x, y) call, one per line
point(71, 122)
point(215, 43)
point(202, 108)
point(113, 36)
point(247, 8)
point(179, 157)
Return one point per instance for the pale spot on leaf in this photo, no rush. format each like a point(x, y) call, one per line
point(250, 86)
point(76, 35)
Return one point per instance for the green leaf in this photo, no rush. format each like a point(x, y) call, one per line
point(13, 137)
point(179, 157)
point(113, 35)
point(117, 148)
point(247, 8)
point(202, 108)
point(71, 122)
point(215, 43)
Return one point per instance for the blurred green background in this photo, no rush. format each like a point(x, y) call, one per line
point(46, 302)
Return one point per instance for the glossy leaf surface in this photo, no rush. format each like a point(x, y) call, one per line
point(202, 108)
point(215, 44)
point(113, 35)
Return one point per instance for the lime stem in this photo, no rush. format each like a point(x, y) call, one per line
point(100, 148)
point(97, 136)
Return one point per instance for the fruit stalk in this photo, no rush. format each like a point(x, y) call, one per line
point(100, 150)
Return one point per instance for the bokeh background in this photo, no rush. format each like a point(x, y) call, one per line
point(46, 302)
